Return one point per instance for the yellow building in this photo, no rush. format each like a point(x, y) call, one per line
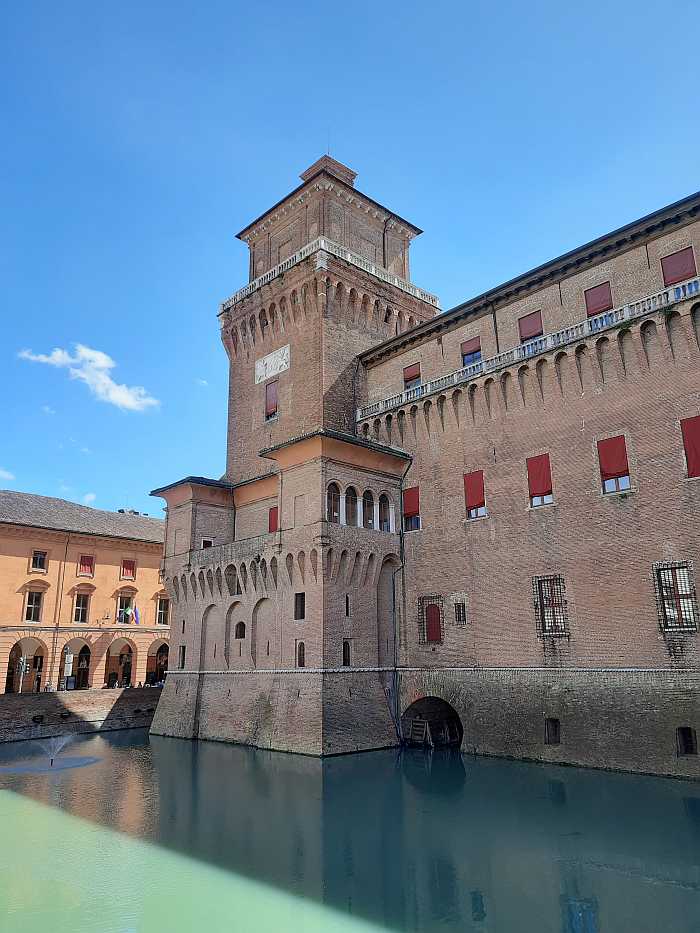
point(82, 602)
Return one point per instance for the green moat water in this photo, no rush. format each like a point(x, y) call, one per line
point(150, 834)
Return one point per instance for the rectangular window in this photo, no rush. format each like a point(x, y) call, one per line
point(411, 509)
point(552, 732)
point(347, 604)
point(551, 608)
point(474, 498)
point(614, 469)
point(411, 376)
point(471, 351)
point(163, 611)
point(299, 606)
point(598, 299)
point(690, 429)
point(33, 610)
point(539, 480)
point(272, 519)
point(679, 266)
point(675, 596)
point(86, 566)
point(207, 542)
point(125, 609)
point(128, 570)
point(686, 740)
point(181, 657)
point(461, 613)
point(271, 400)
point(39, 561)
point(346, 653)
point(530, 326)
point(80, 613)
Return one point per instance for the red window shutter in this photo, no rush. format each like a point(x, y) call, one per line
point(474, 490)
point(690, 428)
point(612, 455)
point(128, 569)
point(433, 629)
point(530, 326)
point(272, 519)
point(471, 346)
point(539, 475)
point(598, 299)
point(678, 266)
point(271, 399)
point(86, 564)
point(411, 372)
point(411, 502)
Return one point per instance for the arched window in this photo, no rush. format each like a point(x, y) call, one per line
point(384, 522)
point(333, 504)
point(239, 631)
point(301, 655)
point(351, 506)
point(368, 510)
point(346, 653)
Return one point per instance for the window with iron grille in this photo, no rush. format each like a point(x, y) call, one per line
point(676, 598)
point(431, 619)
point(461, 613)
point(551, 607)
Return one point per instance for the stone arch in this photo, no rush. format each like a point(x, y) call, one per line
point(676, 335)
point(243, 577)
point(369, 570)
point(543, 371)
point(301, 564)
point(202, 584)
point(333, 503)
point(440, 405)
point(342, 567)
point(313, 561)
point(183, 583)
point(431, 721)
point(457, 401)
point(231, 612)
point(176, 589)
point(289, 564)
point(231, 578)
point(253, 573)
point(650, 343)
point(582, 366)
point(219, 581)
point(488, 392)
point(193, 585)
point(386, 627)
point(507, 390)
point(695, 320)
point(273, 571)
point(264, 646)
point(210, 581)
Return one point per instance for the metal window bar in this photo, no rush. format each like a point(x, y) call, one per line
point(551, 605)
point(676, 596)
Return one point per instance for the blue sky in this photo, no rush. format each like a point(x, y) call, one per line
point(139, 137)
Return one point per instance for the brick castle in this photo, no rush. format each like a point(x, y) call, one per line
point(475, 527)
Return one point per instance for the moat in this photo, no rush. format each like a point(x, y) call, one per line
point(147, 834)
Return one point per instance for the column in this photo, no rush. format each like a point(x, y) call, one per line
point(342, 509)
point(376, 514)
point(392, 519)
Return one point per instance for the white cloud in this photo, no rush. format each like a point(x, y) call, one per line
point(89, 497)
point(5, 474)
point(201, 382)
point(48, 410)
point(93, 368)
point(85, 450)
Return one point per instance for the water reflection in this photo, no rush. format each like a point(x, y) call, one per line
point(404, 839)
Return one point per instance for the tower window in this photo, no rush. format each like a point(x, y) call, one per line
point(430, 609)
point(690, 429)
point(333, 504)
point(272, 519)
point(551, 607)
point(346, 653)
point(474, 498)
point(461, 613)
point(539, 480)
point(301, 654)
point(675, 595)
point(181, 657)
point(368, 510)
point(614, 469)
point(598, 299)
point(384, 513)
point(347, 604)
point(552, 732)
point(411, 376)
point(299, 606)
point(411, 509)
point(686, 741)
point(679, 266)
point(471, 351)
point(239, 631)
point(271, 400)
point(530, 326)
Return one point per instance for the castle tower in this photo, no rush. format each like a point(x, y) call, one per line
point(282, 572)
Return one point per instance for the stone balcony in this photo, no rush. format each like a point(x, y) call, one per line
point(592, 326)
point(320, 246)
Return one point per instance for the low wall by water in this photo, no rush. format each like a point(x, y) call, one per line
point(44, 715)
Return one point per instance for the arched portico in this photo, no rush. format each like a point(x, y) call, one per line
point(120, 663)
point(74, 671)
point(25, 666)
point(157, 662)
point(431, 722)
